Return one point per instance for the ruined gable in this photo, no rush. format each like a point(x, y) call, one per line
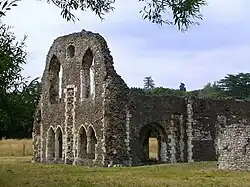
point(88, 115)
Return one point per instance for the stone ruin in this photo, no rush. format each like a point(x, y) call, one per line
point(88, 115)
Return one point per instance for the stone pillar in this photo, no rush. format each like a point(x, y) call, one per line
point(181, 143)
point(189, 131)
point(172, 143)
point(70, 137)
point(36, 136)
point(36, 147)
point(81, 85)
point(163, 151)
point(220, 127)
point(42, 137)
point(103, 140)
point(127, 140)
point(42, 144)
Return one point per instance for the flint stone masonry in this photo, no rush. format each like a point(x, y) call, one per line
point(234, 147)
point(88, 115)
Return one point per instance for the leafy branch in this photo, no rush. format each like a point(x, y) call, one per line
point(6, 5)
point(184, 12)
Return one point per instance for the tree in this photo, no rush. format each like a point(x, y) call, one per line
point(138, 90)
point(148, 83)
point(160, 91)
point(211, 91)
point(12, 56)
point(18, 96)
point(184, 13)
point(236, 86)
point(182, 87)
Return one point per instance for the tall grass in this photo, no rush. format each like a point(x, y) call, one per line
point(23, 147)
point(14, 147)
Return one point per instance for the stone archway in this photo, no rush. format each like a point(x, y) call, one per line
point(50, 149)
point(82, 143)
point(58, 143)
point(157, 132)
point(91, 142)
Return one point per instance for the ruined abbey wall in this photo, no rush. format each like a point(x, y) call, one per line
point(233, 137)
point(88, 115)
point(72, 123)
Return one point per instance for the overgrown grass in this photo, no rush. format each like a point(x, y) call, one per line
point(13, 147)
point(17, 172)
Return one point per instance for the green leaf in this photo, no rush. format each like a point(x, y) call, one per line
point(5, 4)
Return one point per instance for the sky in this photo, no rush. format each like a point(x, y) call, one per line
point(205, 53)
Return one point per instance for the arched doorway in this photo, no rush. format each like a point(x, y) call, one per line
point(153, 144)
point(82, 143)
point(58, 143)
point(92, 141)
point(50, 144)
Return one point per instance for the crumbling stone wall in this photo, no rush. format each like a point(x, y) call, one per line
point(162, 116)
point(234, 137)
point(187, 125)
point(88, 115)
point(84, 113)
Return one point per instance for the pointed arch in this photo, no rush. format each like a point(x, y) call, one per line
point(50, 148)
point(91, 130)
point(153, 134)
point(82, 142)
point(55, 77)
point(92, 141)
point(58, 143)
point(87, 74)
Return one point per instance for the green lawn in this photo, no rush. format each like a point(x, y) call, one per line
point(18, 171)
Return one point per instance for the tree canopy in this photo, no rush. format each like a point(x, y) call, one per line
point(231, 86)
point(18, 95)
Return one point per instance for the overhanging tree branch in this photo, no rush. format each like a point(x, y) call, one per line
point(184, 13)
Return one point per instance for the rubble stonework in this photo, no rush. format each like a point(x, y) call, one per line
point(88, 115)
point(234, 147)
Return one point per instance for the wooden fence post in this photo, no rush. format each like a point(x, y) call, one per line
point(23, 149)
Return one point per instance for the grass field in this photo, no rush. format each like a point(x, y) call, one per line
point(11, 147)
point(19, 172)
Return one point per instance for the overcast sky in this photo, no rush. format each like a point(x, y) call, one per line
point(206, 53)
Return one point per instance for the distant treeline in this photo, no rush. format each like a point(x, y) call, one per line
point(235, 86)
